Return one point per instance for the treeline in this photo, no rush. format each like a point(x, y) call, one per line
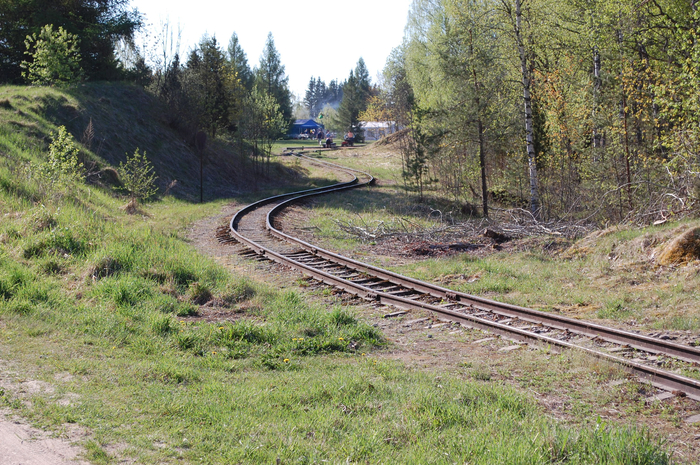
point(342, 106)
point(578, 109)
point(212, 91)
point(216, 92)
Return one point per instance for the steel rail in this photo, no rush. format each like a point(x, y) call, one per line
point(660, 378)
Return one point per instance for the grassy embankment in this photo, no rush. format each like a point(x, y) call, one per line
point(94, 306)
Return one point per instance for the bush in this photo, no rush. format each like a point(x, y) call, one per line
point(138, 177)
point(62, 170)
point(55, 57)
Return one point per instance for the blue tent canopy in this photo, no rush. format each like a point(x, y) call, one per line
point(304, 125)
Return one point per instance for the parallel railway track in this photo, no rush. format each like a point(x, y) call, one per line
point(254, 226)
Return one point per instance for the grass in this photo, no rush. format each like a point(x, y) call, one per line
point(617, 262)
point(95, 304)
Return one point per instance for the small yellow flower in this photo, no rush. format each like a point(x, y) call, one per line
point(294, 339)
point(213, 352)
point(221, 327)
point(363, 354)
point(341, 339)
point(301, 338)
point(286, 360)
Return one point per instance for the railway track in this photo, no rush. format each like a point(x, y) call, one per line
point(655, 360)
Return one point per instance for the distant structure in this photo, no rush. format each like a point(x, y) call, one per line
point(375, 130)
point(304, 126)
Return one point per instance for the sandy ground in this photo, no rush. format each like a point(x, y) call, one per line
point(21, 444)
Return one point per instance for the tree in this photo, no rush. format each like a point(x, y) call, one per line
point(262, 124)
point(356, 94)
point(62, 170)
point(513, 12)
point(55, 57)
point(362, 77)
point(238, 62)
point(99, 24)
point(316, 95)
point(210, 84)
point(466, 80)
point(271, 78)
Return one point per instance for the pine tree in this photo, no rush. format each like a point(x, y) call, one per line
point(209, 86)
point(238, 61)
point(356, 94)
point(271, 78)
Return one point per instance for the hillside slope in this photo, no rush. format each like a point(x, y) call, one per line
point(112, 120)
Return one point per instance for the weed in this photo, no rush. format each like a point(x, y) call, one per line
point(245, 332)
point(184, 309)
point(239, 291)
point(199, 293)
point(189, 341)
point(340, 317)
point(104, 268)
point(51, 265)
point(162, 325)
point(481, 373)
point(614, 309)
point(96, 454)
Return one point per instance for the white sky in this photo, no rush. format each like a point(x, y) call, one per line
point(322, 39)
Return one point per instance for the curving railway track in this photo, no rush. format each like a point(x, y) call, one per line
point(655, 360)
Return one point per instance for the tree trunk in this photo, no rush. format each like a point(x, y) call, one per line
point(482, 163)
point(480, 131)
point(527, 100)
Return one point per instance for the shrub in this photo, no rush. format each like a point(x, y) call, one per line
point(138, 177)
point(62, 170)
point(55, 57)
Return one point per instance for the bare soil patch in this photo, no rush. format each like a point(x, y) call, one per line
point(22, 444)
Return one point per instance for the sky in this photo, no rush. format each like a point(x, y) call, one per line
point(321, 39)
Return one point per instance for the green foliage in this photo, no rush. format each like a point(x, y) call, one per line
point(263, 122)
point(62, 170)
point(238, 62)
point(271, 79)
point(55, 57)
point(138, 176)
point(356, 95)
point(587, 108)
point(99, 25)
point(212, 86)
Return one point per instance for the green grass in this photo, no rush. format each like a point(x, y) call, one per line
point(606, 277)
point(96, 303)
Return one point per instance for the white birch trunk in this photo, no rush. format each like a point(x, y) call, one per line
point(529, 127)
